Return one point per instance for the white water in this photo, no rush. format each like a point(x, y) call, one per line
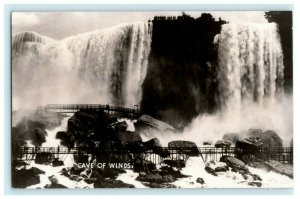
point(51, 141)
point(250, 82)
point(195, 168)
point(104, 66)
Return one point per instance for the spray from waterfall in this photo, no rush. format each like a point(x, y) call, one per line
point(104, 66)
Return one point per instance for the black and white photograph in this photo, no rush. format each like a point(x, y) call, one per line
point(152, 99)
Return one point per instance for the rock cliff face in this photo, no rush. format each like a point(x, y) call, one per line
point(181, 49)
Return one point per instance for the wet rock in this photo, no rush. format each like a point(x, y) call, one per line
point(193, 149)
point(18, 163)
point(65, 138)
point(76, 170)
point(31, 130)
point(256, 184)
point(130, 140)
point(143, 166)
point(75, 178)
point(231, 137)
point(200, 180)
point(111, 183)
point(55, 186)
point(175, 163)
point(159, 185)
point(119, 126)
point(150, 178)
point(107, 173)
point(54, 183)
point(278, 167)
point(156, 178)
point(90, 180)
point(56, 163)
point(64, 172)
point(234, 163)
point(207, 143)
point(271, 139)
point(256, 177)
point(152, 143)
point(268, 138)
point(84, 127)
point(221, 169)
point(210, 170)
point(222, 144)
point(165, 170)
point(26, 177)
point(245, 176)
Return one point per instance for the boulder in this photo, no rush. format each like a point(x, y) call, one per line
point(255, 133)
point(64, 172)
point(119, 126)
point(231, 137)
point(112, 183)
point(65, 138)
point(190, 148)
point(222, 144)
point(75, 178)
point(256, 184)
point(221, 169)
point(156, 178)
point(54, 183)
point(111, 173)
point(278, 167)
point(159, 185)
point(76, 170)
point(200, 180)
point(175, 163)
point(55, 186)
point(26, 177)
point(249, 144)
point(207, 143)
point(152, 143)
point(140, 165)
point(90, 180)
point(271, 139)
point(234, 163)
point(128, 137)
point(165, 171)
point(210, 170)
point(56, 162)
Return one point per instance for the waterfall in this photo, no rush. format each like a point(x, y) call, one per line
point(250, 64)
point(104, 66)
point(114, 60)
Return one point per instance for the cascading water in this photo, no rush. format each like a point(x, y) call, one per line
point(104, 66)
point(250, 64)
point(250, 87)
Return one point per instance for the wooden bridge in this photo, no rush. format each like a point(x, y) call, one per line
point(159, 154)
point(73, 108)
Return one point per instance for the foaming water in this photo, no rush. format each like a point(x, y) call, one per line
point(195, 168)
point(51, 140)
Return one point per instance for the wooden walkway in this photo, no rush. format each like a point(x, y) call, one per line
point(73, 108)
point(281, 154)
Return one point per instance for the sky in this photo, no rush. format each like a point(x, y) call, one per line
point(59, 25)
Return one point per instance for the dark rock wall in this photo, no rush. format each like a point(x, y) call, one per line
point(180, 81)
